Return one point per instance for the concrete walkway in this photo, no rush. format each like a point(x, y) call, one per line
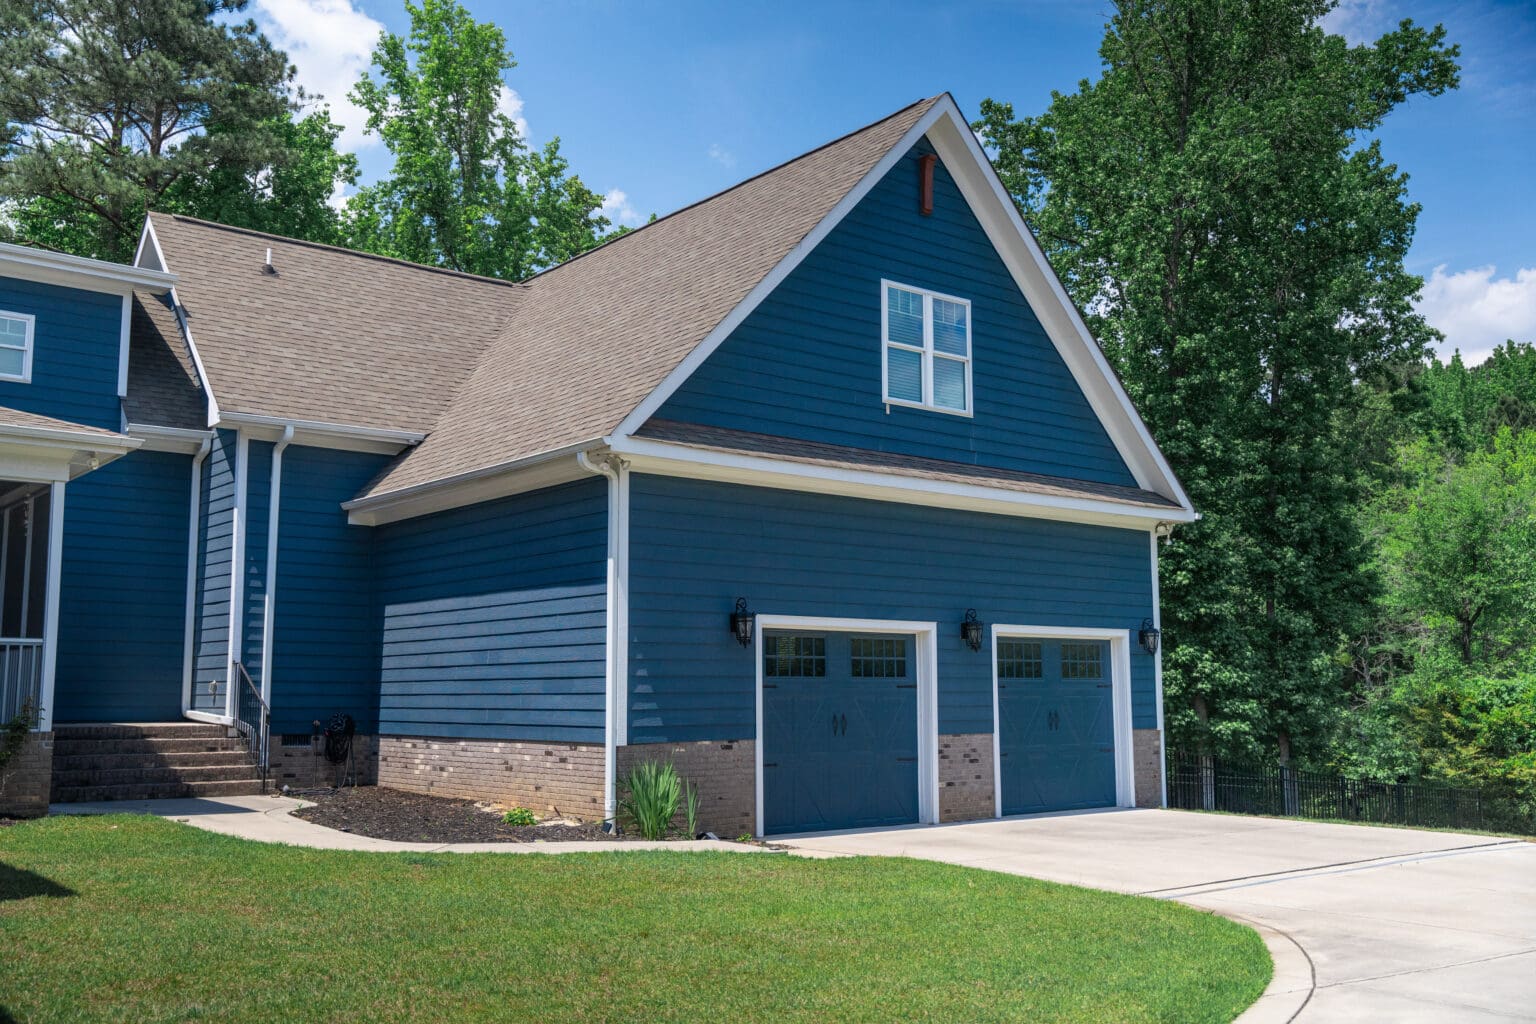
point(1365, 924)
point(269, 819)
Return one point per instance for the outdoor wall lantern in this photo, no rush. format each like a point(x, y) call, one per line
point(971, 629)
point(742, 622)
point(1149, 635)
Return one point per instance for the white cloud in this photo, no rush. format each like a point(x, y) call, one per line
point(1477, 311)
point(617, 208)
point(508, 102)
point(330, 42)
point(722, 156)
point(1359, 21)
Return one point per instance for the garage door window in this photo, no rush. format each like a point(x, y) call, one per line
point(796, 656)
point(1082, 661)
point(1019, 659)
point(879, 658)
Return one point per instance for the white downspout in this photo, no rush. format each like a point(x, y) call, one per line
point(235, 641)
point(189, 641)
point(614, 639)
point(269, 609)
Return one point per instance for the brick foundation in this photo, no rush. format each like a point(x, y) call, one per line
point(305, 767)
point(725, 772)
point(965, 777)
point(543, 777)
point(1147, 758)
point(27, 778)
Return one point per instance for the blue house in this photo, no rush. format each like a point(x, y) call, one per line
point(819, 489)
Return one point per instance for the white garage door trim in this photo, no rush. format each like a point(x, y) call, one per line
point(1120, 680)
point(926, 634)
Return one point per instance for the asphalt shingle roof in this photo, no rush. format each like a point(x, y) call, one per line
point(163, 389)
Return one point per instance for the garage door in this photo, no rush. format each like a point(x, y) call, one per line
point(1056, 734)
point(839, 731)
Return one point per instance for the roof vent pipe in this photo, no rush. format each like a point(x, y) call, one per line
point(268, 268)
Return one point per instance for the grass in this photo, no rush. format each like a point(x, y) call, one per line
point(139, 919)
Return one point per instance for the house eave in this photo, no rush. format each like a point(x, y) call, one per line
point(55, 268)
point(318, 434)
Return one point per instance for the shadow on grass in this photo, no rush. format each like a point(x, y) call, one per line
point(20, 884)
point(6, 1018)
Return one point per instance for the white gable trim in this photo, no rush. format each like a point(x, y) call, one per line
point(150, 240)
point(963, 157)
point(704, 349)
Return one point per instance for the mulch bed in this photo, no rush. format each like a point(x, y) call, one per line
point(415, 818)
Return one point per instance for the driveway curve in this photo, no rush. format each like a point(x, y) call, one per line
point(1396, 924)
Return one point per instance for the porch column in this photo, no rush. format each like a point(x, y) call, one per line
point(51, 608)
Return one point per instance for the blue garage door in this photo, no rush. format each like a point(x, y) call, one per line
point(839, 731)
point(1056, 733)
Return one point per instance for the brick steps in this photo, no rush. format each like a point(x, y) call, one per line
point(149, 761)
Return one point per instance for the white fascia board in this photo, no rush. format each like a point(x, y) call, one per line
point(660, 458)
point(40, 265)
point(318, 434)
point(167, 439)
point(547, 469)
point(52, 437)
point(674, 380)
point(978, 182)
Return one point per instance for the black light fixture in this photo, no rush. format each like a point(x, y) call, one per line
point(971, 629)
point(1149, 635)
point(742, 622)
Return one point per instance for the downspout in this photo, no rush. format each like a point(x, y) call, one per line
point(613, 641)
point(192, 530)
point(269, 611)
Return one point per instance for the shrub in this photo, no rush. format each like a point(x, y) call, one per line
point(691, 808)
point(14, 733)
point(652, 791)
point(520, 816)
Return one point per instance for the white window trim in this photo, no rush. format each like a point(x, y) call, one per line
point(25, 377)
point(927, 662)
point(1120, 688)
point(927, 350)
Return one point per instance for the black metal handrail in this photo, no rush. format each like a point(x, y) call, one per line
point(1205, 783)
point(253, 721)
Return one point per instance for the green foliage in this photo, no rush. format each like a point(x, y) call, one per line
point(14, 732)
point(290, 196)
point(691, 808)
point(1217, 206)
point(106, 106)
point(465, 191)
point(651, 793)
point(520, 816)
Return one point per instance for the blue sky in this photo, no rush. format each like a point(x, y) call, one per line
point(658, 105)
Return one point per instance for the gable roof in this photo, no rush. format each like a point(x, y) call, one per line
point(334, 336)
point(163, 389)
point(596, 335)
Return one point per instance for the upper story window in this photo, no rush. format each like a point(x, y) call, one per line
point(16, 346)
point(927, 349)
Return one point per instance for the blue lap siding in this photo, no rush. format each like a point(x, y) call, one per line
point(807, 362)
point(696, 546)
point(325, 656)
point(75, 346)
point(493, 619)
point(123, 593)
point(215, 547)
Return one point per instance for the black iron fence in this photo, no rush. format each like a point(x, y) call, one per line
point(1205, 783)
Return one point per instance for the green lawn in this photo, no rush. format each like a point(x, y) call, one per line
point(138, 919)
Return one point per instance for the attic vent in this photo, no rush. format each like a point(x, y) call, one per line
point(925, 183)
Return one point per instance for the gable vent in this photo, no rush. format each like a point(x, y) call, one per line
point(925, 183)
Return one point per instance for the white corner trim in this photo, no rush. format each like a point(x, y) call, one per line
point(122, 347)
point(667, 459)
point(47, 267)
point(1120, 690)
point(51, 608)
point(927, 661)
point(235, 641)
point(704, 349)
point(189, 636)
point(269, 592)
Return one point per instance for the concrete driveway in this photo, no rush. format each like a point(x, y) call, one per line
point(1396, 925)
